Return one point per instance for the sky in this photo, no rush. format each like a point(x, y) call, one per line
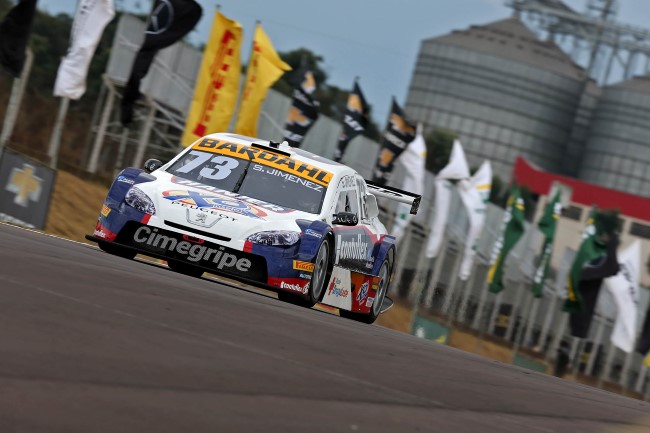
point(376, 40)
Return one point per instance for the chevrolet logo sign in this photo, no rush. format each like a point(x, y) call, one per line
point(25, 185)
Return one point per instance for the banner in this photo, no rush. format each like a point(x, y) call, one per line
point(397, 136)
point(547, 225)
point(169, 22)
point(512, 229)
point(265, 67)
point(413, 159)
point(89, 23)
point(624, 288)
point(475, 194)
point(217, 83)
point(14, 34)
point(456, 169)
point(355, 120)
point(595, 260)
point(304, 109)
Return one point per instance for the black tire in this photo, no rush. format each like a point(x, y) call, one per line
point(318, 280)
point(117, 250)
point(184, 268)
point(380, 294)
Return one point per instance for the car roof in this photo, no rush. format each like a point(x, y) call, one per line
point(298, 154)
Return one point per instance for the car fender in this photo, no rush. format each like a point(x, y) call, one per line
point(387, 243)
point(312, 238)
point(124, 181)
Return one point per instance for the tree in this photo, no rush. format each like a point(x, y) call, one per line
point(439, 143)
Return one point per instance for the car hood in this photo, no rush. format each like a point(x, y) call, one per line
point(200, 207)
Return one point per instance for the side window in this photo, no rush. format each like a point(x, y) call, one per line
point(361, 186)
point(348, 201)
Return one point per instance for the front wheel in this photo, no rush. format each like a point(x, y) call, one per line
point(317, 283)
point(380, 294)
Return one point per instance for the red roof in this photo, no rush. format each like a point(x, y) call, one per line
point(584, 193)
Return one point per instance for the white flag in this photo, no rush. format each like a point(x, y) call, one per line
point(475, 193)
point(89, 22)
point(624, 287)
point(413, 159)
point(455, 169)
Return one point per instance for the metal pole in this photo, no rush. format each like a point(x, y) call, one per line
point(576, 353)
point(495, 312)
point(481, 306)
point(101, 131)
point(430, 291)
point(516, 309)
point(640, 381)
point(145, 134)
point(13, 106)
point(89, 136)
point(600, 330)
point(402, 258)
point(605, 373)
point(469, 284)
point(530, 320)
point(546, 326)
point(120, 151)
point(626, 370)
point(520, 331)
point(449, 293)
point(559, 334)
point(55, 139)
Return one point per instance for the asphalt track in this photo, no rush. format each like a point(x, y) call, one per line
point(94, 343)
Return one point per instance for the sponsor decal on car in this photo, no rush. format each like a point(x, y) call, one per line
point(221, 215)
point(303, 266)
point(268, 158)
point(124, 179)
point(369, 302)
point(259, 203)
point(213, 201)
point(355, 249)
point(295, 287)
point(105, 210)
point(363, 292)
point(305, 276)
point(314, 233)
point(337, 290)
point(192, 252)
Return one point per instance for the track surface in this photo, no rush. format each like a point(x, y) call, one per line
point(94, 343)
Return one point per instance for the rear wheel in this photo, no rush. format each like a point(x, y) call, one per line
point(116, 250)
point(380, 294)
point(184, 268)
point(317, 283)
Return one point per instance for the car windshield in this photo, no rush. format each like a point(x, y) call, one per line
point(239, 175)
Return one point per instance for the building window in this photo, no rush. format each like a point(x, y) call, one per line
point(640, 230)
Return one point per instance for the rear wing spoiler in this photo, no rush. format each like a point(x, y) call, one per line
point(396, 194)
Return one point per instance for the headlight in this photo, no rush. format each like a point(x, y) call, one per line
point(137, 199)
point(275, 238)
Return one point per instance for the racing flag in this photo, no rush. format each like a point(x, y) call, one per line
point(355, 120)
point(512, 229)
point(546, 225)
point(595, 260)
point(169, 22)
point(304, 109)
point(217, 83)
point(265, 67)
point(89, 22)
point(14, 33)
point(399, 133)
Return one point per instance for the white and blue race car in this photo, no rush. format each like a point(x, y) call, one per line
point(261, 212)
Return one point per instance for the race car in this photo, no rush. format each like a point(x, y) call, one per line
point(260, 212)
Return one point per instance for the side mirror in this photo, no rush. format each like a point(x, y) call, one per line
point(345, 219)
point(371, 206)
point(152, 165)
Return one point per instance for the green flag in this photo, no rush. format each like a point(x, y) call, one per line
point(593, 247)
point(546, 225)
point(511, 231)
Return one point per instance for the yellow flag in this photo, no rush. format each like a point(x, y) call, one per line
point(215, 93)
point(264, 68)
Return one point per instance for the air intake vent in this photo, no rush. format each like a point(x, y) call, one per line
point(197, 232)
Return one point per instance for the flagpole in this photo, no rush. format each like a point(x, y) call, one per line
point(13, 106)
point(120, 151)
point(55, 138)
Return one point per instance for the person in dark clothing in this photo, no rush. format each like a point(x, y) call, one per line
point(562, 359)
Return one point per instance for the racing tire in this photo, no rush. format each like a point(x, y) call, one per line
point(318, 280)
point(185, 269)
point(380, 294)
point(117, 250)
